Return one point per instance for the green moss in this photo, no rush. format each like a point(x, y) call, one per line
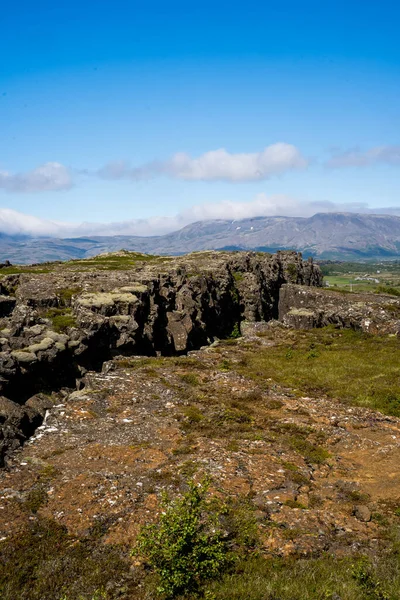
point(291, 269)
point(22, 269)
point(193, 414)
point(190, 378)
point(225, 365)
point(66, 295)
point(61, 319)
point(294, 504)
point(233, 446)
point(310, 452)
point(237, 276)
point(118, 261)
point(188, 469)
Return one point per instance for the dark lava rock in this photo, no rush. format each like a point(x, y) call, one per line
point(57, 325)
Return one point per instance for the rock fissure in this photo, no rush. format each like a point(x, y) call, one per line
point(57, 326)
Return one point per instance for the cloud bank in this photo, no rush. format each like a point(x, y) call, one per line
point(51, 176)
point(216, 165)
point(220, 165)
point(16, 223)
point(389, 155)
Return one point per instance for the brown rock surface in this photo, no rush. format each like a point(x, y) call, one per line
point(60, 321)
point(144, 425)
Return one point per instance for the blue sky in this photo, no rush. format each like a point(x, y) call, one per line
point(112, 112)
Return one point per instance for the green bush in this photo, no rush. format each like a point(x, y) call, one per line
point(235, 333)
point(187, 545)
point(382, 289)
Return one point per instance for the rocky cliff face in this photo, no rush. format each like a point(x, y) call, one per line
point(57, 325)
point(306, 308)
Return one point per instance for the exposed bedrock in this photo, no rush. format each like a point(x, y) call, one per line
point(55, 326)
point(305, 308)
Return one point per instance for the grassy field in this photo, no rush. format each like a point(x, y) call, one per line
point(355, 276)
point(114, 261)
point(323, 578)
point(352, 366)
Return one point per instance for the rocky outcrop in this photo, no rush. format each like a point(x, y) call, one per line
point(55, 326)
point(304, 308)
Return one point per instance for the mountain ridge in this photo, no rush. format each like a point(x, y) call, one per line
point(340, 236)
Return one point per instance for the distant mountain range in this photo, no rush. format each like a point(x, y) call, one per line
point(338, 236)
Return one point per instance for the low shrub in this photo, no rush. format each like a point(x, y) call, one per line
point(187, 545)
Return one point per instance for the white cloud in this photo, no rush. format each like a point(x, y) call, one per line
point(216, 165)
point(13, 222)
point(51, 176)
point(389, 155)
point(16, 223)
point(221, 165)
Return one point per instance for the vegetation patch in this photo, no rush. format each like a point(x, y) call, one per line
point(114, 261)
point(235, 333)
point(190, 378)
point(324, 578)
point(186, 546)
point(237, 276)
point(383, 289)
point(43, 562)
point(196, 538)
point(332, 362)
point(292, 272)
point(61, 319)
point(66, 294)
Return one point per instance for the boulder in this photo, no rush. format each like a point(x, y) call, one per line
point(362, 513)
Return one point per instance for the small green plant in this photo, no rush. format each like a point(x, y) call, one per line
point(313, 353)
point(190, 378)
point(235, 296)
point(186, 546)
point(372, 588)
point(235, 333)
point(224, 365)
point(193, 414)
